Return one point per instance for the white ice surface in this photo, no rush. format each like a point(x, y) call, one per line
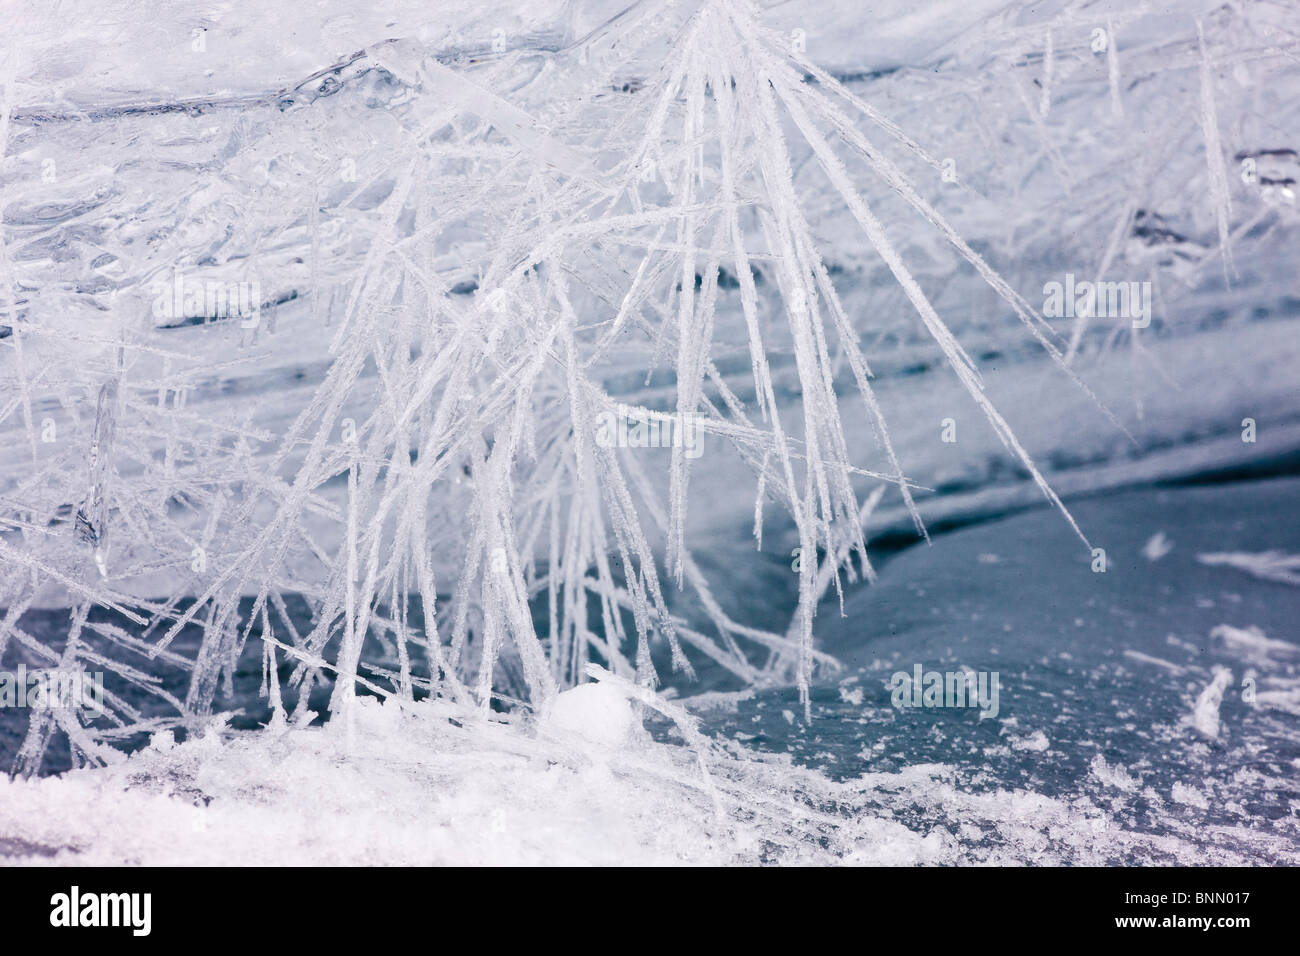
point(429, 785)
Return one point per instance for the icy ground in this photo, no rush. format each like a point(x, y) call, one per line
point(1107, 680)
point(430, 786)
point(1106, 747)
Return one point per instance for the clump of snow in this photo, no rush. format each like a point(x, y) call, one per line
point(1157, 547)
point(852, 696)
point(596, 713)
point(1205, 716)
point(1036, 742)
point(1190, 796)
point(1112, 775)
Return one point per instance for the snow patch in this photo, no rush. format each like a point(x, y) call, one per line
point(596, 713)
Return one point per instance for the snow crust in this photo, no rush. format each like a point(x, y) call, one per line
point(430, 784)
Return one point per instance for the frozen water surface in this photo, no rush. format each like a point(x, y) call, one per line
point(1102, 676)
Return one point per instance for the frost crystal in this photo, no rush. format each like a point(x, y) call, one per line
point(421, 364)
